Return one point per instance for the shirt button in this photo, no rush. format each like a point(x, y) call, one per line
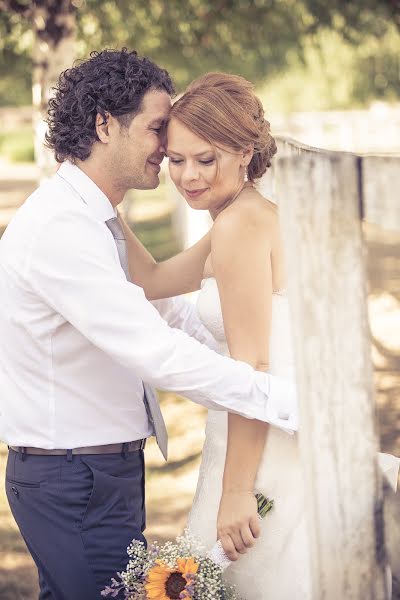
point(284, 415)
point(15, 491)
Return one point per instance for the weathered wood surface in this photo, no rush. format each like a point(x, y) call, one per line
point(318, 195)
point(380, 176)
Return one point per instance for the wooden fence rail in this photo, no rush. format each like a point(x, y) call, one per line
point(323, 197)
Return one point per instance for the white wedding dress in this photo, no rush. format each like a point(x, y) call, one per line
point(277, 567)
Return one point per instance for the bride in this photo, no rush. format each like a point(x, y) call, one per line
point(219, 144)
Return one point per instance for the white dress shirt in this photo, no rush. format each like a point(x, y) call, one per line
point(77, 339)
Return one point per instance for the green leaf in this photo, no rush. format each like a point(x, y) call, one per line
point(264, 505)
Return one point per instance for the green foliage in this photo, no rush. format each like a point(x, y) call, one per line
point(189, 38)
point(153, 220)
point(256, 38)
point(335, 74)
point(354, 19)
point(15, 86)
point(377, 68)
point(158, 237)
point(15, 61)
point(17, 145)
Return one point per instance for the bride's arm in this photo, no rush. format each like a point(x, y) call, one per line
point(240, 254)
point(178, 275)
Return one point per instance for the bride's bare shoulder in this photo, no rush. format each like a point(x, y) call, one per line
point(251, 213)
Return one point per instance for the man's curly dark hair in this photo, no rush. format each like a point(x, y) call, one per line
point(111, 81)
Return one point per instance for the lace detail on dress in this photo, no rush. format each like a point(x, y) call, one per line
point(277, 568)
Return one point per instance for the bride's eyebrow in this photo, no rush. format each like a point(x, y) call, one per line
point(170, 151)
point(210, 151)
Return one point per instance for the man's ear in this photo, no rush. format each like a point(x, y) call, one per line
point(247, 155)
point(103, 127)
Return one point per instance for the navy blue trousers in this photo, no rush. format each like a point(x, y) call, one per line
point(77, 517)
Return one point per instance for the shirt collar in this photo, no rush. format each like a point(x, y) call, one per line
point(90, 193)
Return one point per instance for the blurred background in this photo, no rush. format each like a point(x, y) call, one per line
point(328, 75)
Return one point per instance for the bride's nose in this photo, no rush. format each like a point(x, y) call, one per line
point(190, 172)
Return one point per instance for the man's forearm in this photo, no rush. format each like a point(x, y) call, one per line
point(180, 313)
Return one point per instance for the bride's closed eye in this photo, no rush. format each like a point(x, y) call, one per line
point(178, 161)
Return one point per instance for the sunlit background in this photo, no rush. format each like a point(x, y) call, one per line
point(328, 74)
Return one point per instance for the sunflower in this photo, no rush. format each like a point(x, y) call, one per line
point(164, 583)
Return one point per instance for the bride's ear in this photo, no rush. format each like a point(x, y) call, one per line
point(247, 155)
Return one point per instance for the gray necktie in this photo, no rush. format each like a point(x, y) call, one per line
point(150, 396)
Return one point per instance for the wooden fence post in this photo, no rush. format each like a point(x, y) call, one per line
point(381, 190)
point(318, 195)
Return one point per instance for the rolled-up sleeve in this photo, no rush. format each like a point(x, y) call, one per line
point(180, 313)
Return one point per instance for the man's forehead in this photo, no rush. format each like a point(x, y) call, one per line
point(156, 105)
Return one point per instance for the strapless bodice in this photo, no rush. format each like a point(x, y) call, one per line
point(281, 358)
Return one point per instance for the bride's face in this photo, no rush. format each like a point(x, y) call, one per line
point(207, 177)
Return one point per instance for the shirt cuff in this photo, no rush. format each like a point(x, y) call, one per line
point(281, 405)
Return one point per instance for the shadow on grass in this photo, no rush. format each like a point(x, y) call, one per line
point(383, 269)
point(18, 573)
point(173, 465)
point(11, 541)
point(392, 359)
point(383, 260)
point(19, 584)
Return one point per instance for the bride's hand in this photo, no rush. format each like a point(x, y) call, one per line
point(238, 525)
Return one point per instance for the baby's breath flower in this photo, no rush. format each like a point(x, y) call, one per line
point(205, 583)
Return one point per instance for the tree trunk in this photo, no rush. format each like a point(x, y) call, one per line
point(54, 27)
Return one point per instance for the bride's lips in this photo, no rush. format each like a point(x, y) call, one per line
point(195, 193)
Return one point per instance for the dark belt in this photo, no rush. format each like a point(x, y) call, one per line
point(105, 449)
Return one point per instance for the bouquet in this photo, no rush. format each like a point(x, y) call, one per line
point(182, 570)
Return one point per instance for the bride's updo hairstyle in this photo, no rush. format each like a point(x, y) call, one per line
point(223, 110)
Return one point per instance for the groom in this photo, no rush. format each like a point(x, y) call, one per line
point(80, 346)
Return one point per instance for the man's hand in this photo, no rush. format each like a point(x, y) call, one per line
point(238, 525)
